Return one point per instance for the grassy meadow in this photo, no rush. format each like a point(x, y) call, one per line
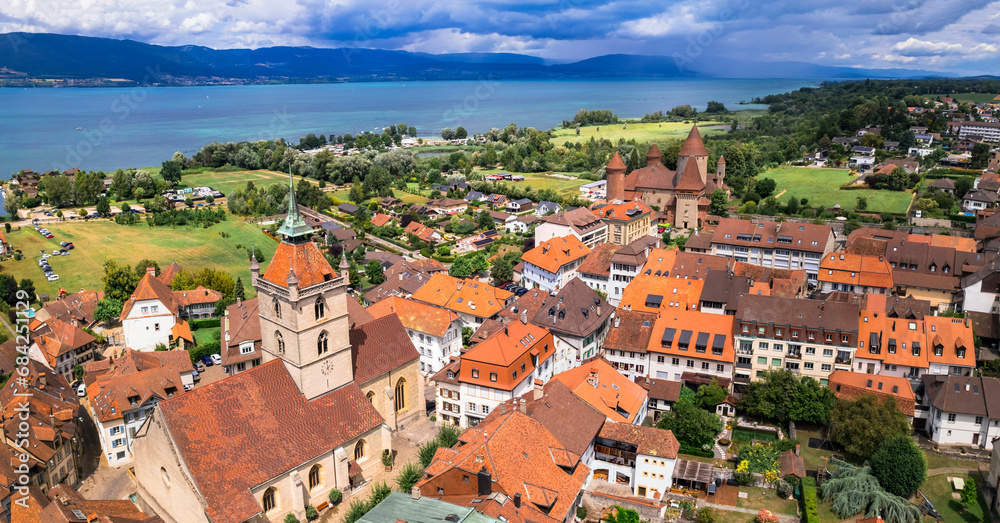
point(977, 98)
point(640, 132)
point(98, 241)
point(822, 187)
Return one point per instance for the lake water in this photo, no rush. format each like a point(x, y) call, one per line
point(110, 128)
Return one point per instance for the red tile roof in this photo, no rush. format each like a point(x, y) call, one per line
point(380, 346)
point(463, 296)
point(693, 145)
point(240, 324)
point(691, 178)
point(380, 220)
point(303, 259)
point(149, 288)
point(415, 315)
point(504, 352)
point(604, 388)
point(553, 254)
point(200, 295)
point(616, 162)
point(849, 385)
point(260, 416)
point(650, 441)
point(599, 260)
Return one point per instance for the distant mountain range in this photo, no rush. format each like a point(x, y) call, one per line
point(31, 56)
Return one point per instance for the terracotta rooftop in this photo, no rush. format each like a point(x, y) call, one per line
point(555, 253)
point(304, 260)
point(261, 416)
point(693, 145)
point(616, 162)
point(580, 220)
point(167, 275)
point(598, 262)
point(404, 278)
point(653, 293)
point(630, 330)
point(778, 235)
point(690, 179)
point(625, 211)
point(380, 346)
point(856, 269)
point(661, 389)
point(604, 388)
point(149, 288)
point(463, 296)
point(241, 324)
point(650, 441)
point(849, 385)
point(694, 265)
point(508, 356)
point(415, 315)
point(526, 305)
point(694, 334)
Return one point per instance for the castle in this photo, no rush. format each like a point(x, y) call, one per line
point(682, 196)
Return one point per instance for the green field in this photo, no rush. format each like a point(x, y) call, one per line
point(226, 182)
point(977, 98)
point(98, 241)
point(206, 335)
point(939, 491)
point(539, 181)
point(822, 188)
point(640, 132)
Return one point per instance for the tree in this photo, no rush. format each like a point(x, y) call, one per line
point(617, 514)
point(691, 424)
point(467, 333)
point(963, 185)
point(209, 199)
point(170, 171)
point(765, 187)
point(484, 220)
point(899, 465)
point(353, 278)
point(720, 204)
point(28, 286)
point(103, 206)
point(290, 518)
point(12, 204)
point(854, 490)
point(980, 156)
point(239, 292)
point(782, 396)
point(255, 252)
point(143, 265)
point(426, 452)
point(862, 424)
point(502, 271)
point(119, 281)
point(448, 133)
point(87, 186)
point(851, 225)
point(461, 133)
point(408, 476)
point(970, 493)
point(705, 515)
point(862, 203)
point(108, 310)
point(711, 395)
point(373, 270)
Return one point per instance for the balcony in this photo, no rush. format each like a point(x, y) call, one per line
point(794, 355)
point(744, 366)
point(742, 378)
point(616, 456)
point(843, 360)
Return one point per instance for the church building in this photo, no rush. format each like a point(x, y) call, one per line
point(683, 196)
point(317, 414)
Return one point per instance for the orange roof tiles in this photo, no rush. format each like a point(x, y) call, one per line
point(199, 295)
point(415, 315)
point(508, 356)
point(895, 338)
point(660, 262)
point(379, 220)
point(950, 334)
point(691, 178)
point(463, 296)
point(616, 162)
point(553, 254)
point(653, 293)
point(856, 269)
point(850, 385)
point(304, 260)
point(599, 260)
point(693, 145)
point(181, 330)
point(650, 441)
point(694, 334)
point(604, 388)
point(260, 416)
point(622, 211)
point(149, 288)
point(380, 346)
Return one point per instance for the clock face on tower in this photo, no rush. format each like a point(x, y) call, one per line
point(327, 367)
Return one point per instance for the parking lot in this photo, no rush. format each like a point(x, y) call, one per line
point(45, 263)
point(211, 375)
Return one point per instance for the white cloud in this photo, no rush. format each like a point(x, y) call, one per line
point(678, 19)
point(199, 23)
point(913, 47)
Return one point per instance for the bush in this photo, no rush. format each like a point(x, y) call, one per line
point(356, 510)
point(290, 518)
point(311, 513)
point(581, 512)
point(785, 444)
point(809, 500)
point(695, 451)
point(705, 515)
point(448, 435)
point(408, 476)
point(899, 465)
point(206, 323)
point(427, 451)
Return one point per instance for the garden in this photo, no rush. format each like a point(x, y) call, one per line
point(822, 188)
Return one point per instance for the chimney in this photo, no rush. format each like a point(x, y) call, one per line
point(506, 332)
point(503, 408)
point(524, 316)
point(537, 390)
point(415, 493)
point(517, 500)
point(523, 406)
point(798, 449)
point(151, 271)
point(484, 482)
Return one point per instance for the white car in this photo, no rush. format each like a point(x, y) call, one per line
point(216, 359)
point(54, 277)
point(46, 256)
point(81, 390)
point(55, 252)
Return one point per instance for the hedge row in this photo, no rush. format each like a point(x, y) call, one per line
point(962, 218)
point(809, 500)
point(205, 324)
point(696, 451)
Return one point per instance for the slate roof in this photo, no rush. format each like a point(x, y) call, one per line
point(576, 310)
point(260, 416)
point(380, 346)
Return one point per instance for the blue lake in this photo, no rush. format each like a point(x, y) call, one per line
point(110, 128)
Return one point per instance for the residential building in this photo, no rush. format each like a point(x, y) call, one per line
point(849, 385)
point(808, 337)
point(76, 308)
point(545, 208)
point(625, 345)
point(381, 220)
point(682, 195)
point(476, 242)
point(447, 206)
point(241, 338)
point(472, 300)
point(607, 390)
point(578, 319)
point(908, 346)
point(156, 315)
point(499, 217)
point(65, 505)
point(780, 245)
point(499, 368)
point(662, 394)
point(989, 131)
point(520, 223)
point(595, 270)
point(981, 289)
point(523, 205)
point(62, 346)
point(979, 200)
point(629, 261)
point(696, 266)
point(692, 347)
point(530, 476)
point(848, 272)
point(862, 162)
point(644, 456)
point(54, 445)
point(656, 293)
point(553, 263)
point(419, 509)
point(722, 290)
point(626, 221)
point(436, 333)
point(963, 410)
point(579, 222)
point(123, 397)
point(404, 278)
point(423, 232)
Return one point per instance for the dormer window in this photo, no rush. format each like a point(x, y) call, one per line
point(946, 269)
point(475, 373)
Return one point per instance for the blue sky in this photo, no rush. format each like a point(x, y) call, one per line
point(960, 36)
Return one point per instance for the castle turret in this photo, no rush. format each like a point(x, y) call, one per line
point(616, 178)
point(720, 171)
point(654, 155)
point(693, 148)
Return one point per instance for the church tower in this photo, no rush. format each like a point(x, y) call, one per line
point(302, 304)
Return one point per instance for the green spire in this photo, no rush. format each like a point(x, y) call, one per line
point(293, 226)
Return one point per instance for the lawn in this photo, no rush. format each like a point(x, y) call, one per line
point(538, 181)
point(640, 132)
point(939, 491)
point(205, 335)
point(98, 241)
point(758, 498)
point(977, 98)
point(227, 181)
point(937, 461)
point(822, 187)
point(814, 458)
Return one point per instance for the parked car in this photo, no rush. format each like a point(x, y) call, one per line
point(207, 360)
point(69, 245)
point(199, 366)
point(54, 277)
point(216, 359)
point(63, 252)
point(46, 256)
point(522, 291)
point(55, 252)
point(187, 388)
point(195, 376)
point(63, 244)
point(49, 236)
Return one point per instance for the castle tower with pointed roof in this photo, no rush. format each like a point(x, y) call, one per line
point(616, 178)
point(302, 303)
